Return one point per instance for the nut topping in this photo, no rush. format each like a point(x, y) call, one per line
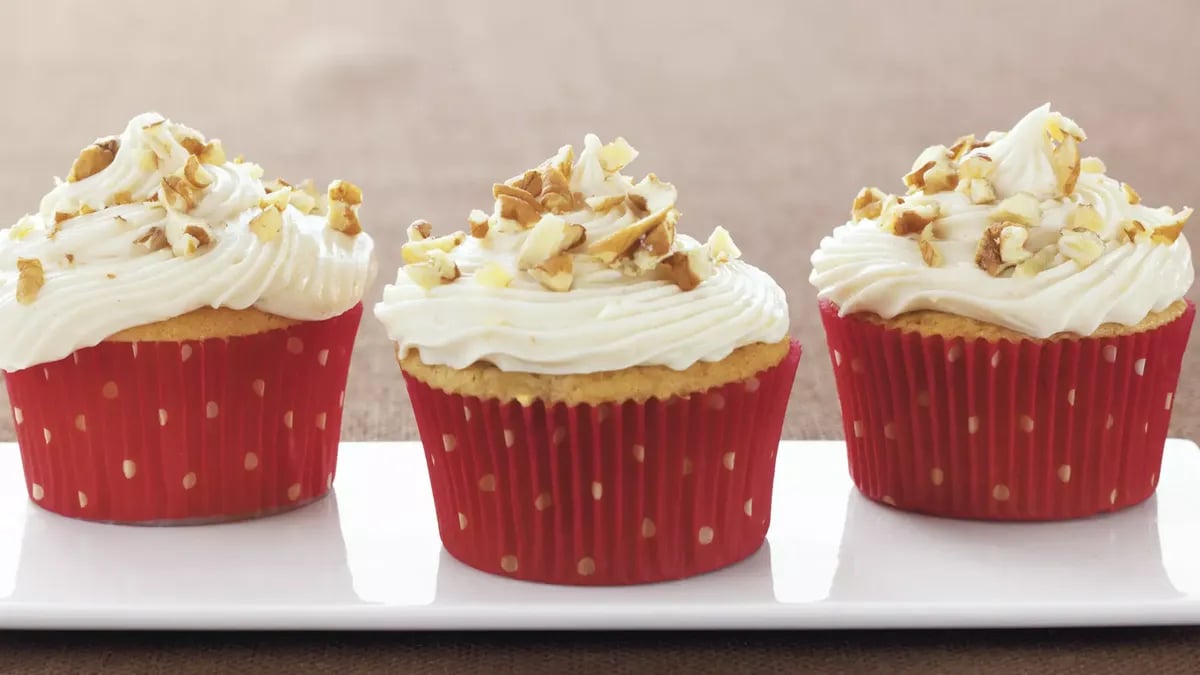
point(1001, 247)
point(1085, 217)
point(979, 191)
point(721, 246)
point(437, 269)
point(556, 273)
point(493, 275)
point(420, 230)
point(153, 239)
point(267, 224)
point(478, 222)
point(868, 204)
point(688, 269)
point(30, 279)
point(905, 218)
point(344, 200)
point(1066, 163)
point(1167, 234)
point(1012, 244)
point(616, 155)
point(1092, 165)
point(1131, 195)
point(604, 204)
point(1021, 208)
point(935, 159)
point(419, 250)
point(1082, 246)
point(212, 152)
point(94, 159)
point(929, 252)
point(196, 174)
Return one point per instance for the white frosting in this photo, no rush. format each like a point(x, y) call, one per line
point(607, 321)
point(110, 283)
point(863, 268)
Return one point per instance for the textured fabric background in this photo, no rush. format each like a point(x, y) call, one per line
point(768, 116)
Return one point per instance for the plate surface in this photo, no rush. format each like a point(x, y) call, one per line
point(369, 558)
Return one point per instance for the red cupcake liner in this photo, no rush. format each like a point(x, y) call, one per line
point(609, 494)
point(186, 432)
point(1002, 430)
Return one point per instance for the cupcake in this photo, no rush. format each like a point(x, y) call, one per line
point(1007, 336)
point(600, 399)
point(178, 332)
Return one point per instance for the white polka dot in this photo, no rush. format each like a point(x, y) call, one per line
point(320, 421)
point(508, 563)
point(1169, 401)
point(752, 384)
point(1109, 422)
point(75, 358)
point(1112, 497)
point(46, 434)
point(923, 399)
point(859, 430)
point(449, 442)
point(936, 476)
point(972, 424)
point(134, 348)
point(1001, 493)
point(293, 492)
point(837, 357)
point(295, 345)
point(162, 417)
point(996, 360)
point(748, 507)
point(37, 492)
point(211, 410)
point(1064, 473)
point(487, 482)
point(1139, 366)
point(288, 418)
point(1026, 423)
point(259, 387)
point(716, 401)
point(81, 423)
point(728, 459)
point(250, 461)
point(1153, 479)
point(560, 435)
point(1146, 428)
point(648, 528)
point(342, 399)
point(1110, 353)
point(887, 499)
point(18, 415)
point(705, 535)
point(1071, 397)
point(185, 353)
point(509, 438)
point(129, 468)
point(46, 373)
point(466, 413)
point(543, 501)
point(639, 452)
point(323, 356)
point(954, 354)
point(462, 521)
point(856, 365)
point(597, 490)
point(189, 480)
point(109, 390)
point(83, 501)
point(329, 481)
point(889, 431)
point(687, 466)
point(586, 567)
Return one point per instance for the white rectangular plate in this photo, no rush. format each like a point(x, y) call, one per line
point(370, 558)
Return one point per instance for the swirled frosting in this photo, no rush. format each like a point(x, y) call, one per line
point(1015, 230)
point(578, 270)
point(156, 223)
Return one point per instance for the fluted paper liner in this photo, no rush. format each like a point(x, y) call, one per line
point(186, 432)
point(610, 494)
point(1003, 430)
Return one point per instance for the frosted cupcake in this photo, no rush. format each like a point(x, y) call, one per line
point(178, 332)
point(1007, 336)
point(600, 399)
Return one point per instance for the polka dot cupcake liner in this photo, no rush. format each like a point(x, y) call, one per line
point(608, 494)
point(186, 432)
point(1001, 430)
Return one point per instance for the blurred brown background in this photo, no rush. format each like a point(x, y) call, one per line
point(768, 116)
